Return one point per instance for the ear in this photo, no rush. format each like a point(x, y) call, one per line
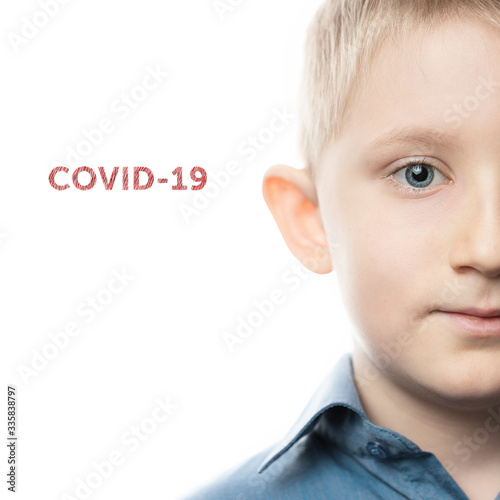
point(291, 197)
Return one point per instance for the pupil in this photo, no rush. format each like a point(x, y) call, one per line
point(419, 174)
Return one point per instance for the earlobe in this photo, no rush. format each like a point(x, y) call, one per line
point(291, 197)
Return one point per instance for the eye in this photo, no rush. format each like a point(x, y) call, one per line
point(415, 176)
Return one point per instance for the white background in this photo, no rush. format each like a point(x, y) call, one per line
point(191, 279)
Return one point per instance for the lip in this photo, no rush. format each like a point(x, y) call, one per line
point(481, 322)
point(476, 311)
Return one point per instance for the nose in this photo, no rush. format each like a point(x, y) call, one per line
point(478, 228)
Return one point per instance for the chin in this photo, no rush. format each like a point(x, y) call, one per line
point(460, 376)
point(474, 397)
point(467, 391)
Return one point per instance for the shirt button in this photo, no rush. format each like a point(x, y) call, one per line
point(376, 449)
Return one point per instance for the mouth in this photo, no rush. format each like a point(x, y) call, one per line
point(480, 313)
point(480, 322)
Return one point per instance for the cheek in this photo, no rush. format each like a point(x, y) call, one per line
point(384, 264)
point(376, 273)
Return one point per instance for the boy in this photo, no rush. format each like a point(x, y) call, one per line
point(401, 197)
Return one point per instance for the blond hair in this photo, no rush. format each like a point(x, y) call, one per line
point(341, 41)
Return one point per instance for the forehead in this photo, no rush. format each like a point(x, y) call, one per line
point(416, 86)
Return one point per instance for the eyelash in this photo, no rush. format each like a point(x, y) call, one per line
point(409, 189)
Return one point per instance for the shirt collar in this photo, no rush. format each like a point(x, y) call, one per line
point(337, 389)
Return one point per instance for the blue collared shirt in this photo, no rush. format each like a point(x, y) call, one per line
point(334, 452)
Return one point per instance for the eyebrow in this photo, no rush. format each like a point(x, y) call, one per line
point(416, 135)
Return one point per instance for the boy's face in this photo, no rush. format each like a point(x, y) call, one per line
point(403, 257)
